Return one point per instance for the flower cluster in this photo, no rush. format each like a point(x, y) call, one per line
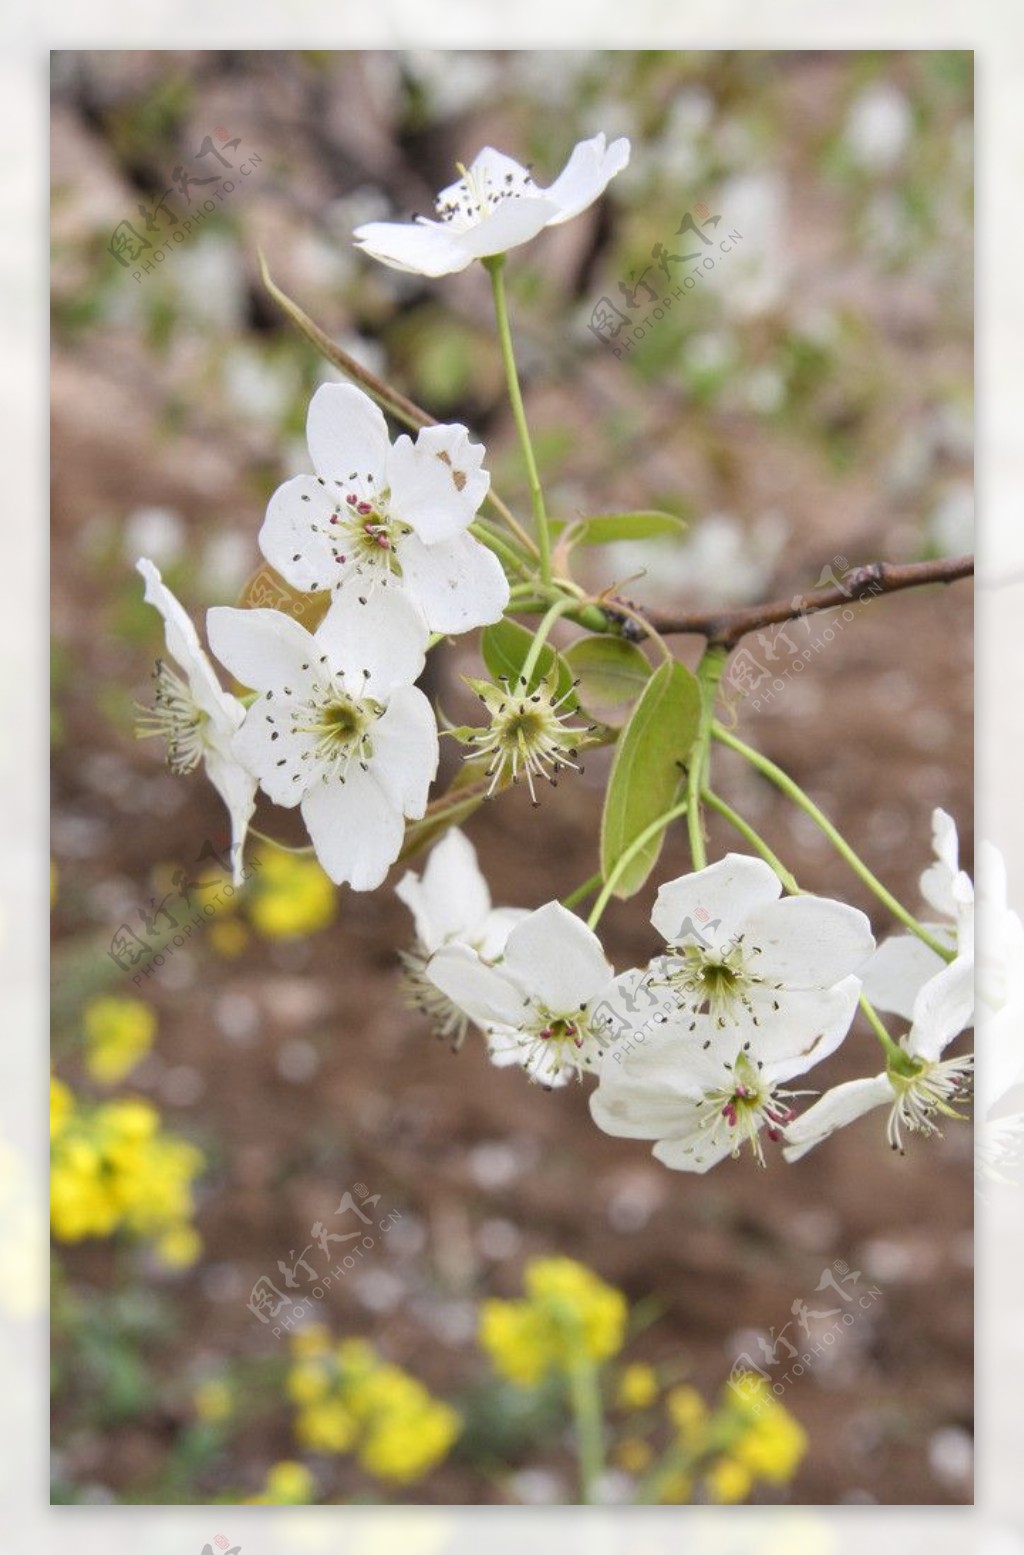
point(349, 1400)
point(119, 1033)
point(114, 1169)
point(567, 1316)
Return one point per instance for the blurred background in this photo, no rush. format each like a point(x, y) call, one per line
point(805, 408)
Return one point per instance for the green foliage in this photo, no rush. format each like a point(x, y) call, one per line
point(505, 647)
point(647, 771)
point(612, 674)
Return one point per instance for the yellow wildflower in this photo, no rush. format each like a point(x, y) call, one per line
point(633, 1455)
point(307, 1382)
point(689, 1414)
point(514, 1337)
point(327, 1426)
point(289, 1484)
point(62, 1105)
point(638, 1386)
point(293, 897)
point(728, 1482)
point(773, 1448)
point(213, 1400)
point(312, 1341)
point(118, 1034)
point(227, 937)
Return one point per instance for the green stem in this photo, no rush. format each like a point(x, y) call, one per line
point(589, 1416)
point(560, 607)
point(495, 267)
point(648, 833)
point(756, 842)
point(804, 802)
point(894, 1055)
point(501, 548)
point(709, 673)
point(284, 847)
point(582, 891)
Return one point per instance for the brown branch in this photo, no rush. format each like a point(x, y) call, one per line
point(725, 628)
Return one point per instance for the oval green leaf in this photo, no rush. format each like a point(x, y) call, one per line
point(505, 647)
point(612, 674)
point(649, 524)
point(647, 772)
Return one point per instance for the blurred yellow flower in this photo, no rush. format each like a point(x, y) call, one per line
point(774, 1446)
point(568, 1315)
point(633, 1455)
point(289, 1484)
point(350, 1400)
point(638, 1386)
point(227, 938)
point(119, 1032)
point(728, 1482)
point(292, 897)
point(62, 1105)
point(113, 1168)
point(213, 1401)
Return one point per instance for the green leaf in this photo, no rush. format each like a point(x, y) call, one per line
point(611, 672)
point(648, 770)
point(604, 527)
point(505, 647)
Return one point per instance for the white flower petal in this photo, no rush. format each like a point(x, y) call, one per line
point(808, 941)
point(482, 992)
point(450, 899)
point(458, 584)
point(296, 534)
point(348, 437)
point(356, 830)
point(438, 482)
point(558, 959)
point(943, 1008)
point(812, 1025)
point(839, 1106)
point(632, 1103)
point(897, 971)
point(693, 1151)
point(266, 747)
point(512, 223)
point(586, 175)
point(184, 647)
point(405, 750)
point(419, 248)
point(237, 788)
point(492, 936)
point(375, 641)
point(264, 649)
point(714, 902)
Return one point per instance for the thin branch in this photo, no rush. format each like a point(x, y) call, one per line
point(725, 628)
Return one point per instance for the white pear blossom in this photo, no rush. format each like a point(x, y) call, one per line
point(493, 206)
point(915, 1088)
point(196, 717)
point(450, 904)
point(903, 963)
point(539, 1005)
point(338, 726)
point(745, 962)
point(703, 1094)
point(389, 515)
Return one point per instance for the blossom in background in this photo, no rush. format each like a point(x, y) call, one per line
point(539, 1004)
point(492, 207)
point(450, 904)
point(387, 515)
point(744, 964)
point(338, 727)
point(113, 1168)
point(702, 1097)
point(914, 1090)
point(568, 1315)
point(194, 715)
point(903, 963)
point(118, 1034)
point(350, 1400)
point(291, 897)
